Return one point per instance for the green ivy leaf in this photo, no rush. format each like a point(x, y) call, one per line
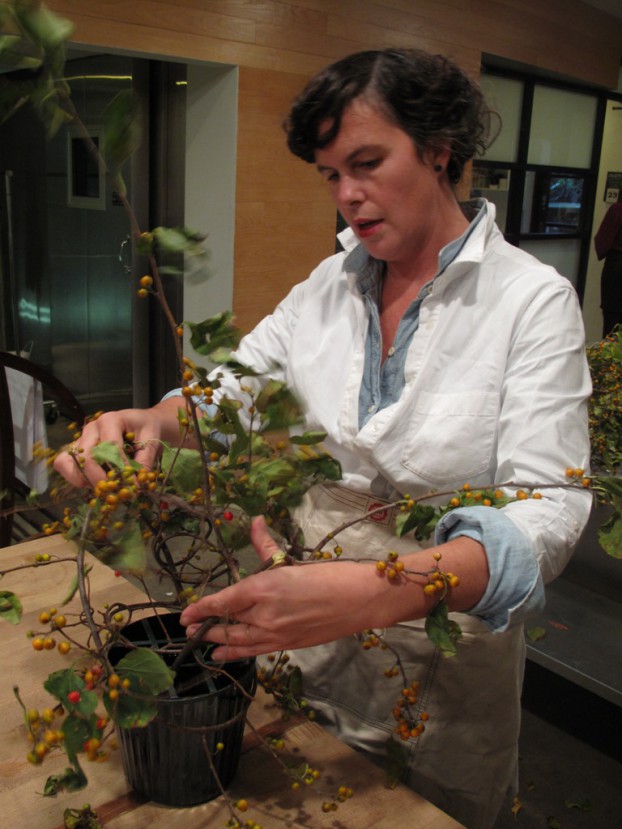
point(442, 631)
point(10, 607)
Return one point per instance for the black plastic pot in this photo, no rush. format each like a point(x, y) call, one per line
point(167, 763)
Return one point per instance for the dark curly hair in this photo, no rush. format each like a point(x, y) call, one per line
point(428, 96)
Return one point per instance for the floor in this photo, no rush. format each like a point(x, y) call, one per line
point(570, 758)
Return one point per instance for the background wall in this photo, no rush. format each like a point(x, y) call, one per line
point(284, 222)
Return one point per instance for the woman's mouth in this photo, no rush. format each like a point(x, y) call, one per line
point(367, 227)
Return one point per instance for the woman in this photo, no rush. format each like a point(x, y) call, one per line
point(432, 354)
point(608, 244)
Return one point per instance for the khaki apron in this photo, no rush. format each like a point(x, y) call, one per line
point(466, 759)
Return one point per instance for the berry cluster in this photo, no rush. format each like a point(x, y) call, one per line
point(56, 623)
point(409, 723)
point(439, 582)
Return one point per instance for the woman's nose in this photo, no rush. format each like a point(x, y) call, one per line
point(348, 191)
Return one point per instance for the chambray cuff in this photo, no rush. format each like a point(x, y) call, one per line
point(515, 587)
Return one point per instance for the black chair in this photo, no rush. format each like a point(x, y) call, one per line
point(58, 400)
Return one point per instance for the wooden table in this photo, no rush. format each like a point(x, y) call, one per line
point(272, 803)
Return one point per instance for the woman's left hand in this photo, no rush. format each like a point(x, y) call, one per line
point(298, 606)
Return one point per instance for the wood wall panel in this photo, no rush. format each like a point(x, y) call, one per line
point(284, 220)
point(557, 32)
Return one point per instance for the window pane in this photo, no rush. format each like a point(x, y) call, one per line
point(552, 203)
point(562, 128)
point(505, 96)
point(562, 254)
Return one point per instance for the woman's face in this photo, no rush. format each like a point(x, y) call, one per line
point(390, 196)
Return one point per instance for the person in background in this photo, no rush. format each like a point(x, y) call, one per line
point(608, 244)
point(433, 354)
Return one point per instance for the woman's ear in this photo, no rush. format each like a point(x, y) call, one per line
point(438, 158)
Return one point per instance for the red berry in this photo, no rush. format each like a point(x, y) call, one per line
point(117, 573)
point(228, 515)
point(74, 697)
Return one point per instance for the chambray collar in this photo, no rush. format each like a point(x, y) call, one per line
point(369, 271)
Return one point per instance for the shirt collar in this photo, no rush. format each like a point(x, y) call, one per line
point(368, 270)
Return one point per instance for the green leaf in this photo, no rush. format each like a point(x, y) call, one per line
point(61, 683)
point(183, 467)
point(421, 518)
point(145, 668)
point(109, 453)
point(71, 780)
point(308, 438)
point(149, 676)
point(294, 684)
point(442, 631)
point(76, 731)
point(610, 535)
point(10, 607)
point(279, 407)
point(73, 587)
point(396, 763)
point(180, 240)
point(535, 634)
point(214, 333)
point(43, 26)
point(122, 129)
point(581, 802)
point(129, 554)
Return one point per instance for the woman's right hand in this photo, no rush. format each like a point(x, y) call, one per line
point(149, 428)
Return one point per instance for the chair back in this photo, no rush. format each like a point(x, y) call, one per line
point(54, 390)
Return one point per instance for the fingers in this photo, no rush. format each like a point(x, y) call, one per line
point(76, 463)
point(236, 641)
point(261, 539)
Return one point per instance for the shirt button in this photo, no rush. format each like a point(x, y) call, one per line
point(391, 352)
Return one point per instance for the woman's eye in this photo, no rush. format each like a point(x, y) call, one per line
point(369, 164)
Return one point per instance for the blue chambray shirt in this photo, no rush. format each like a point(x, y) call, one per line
point(515, 585)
